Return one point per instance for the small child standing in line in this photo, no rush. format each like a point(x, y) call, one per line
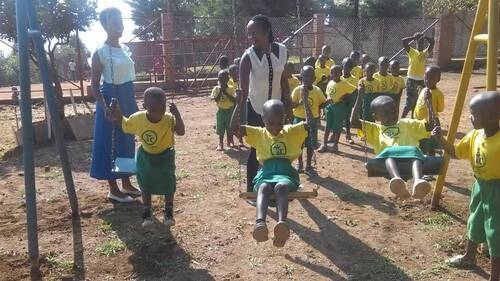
point(234, 75)
point(398, 84)
point(383, 76)
point(432, 78)
point(482, 148)
point(371, 90)
point(317, 101)
point(224, 63)
point(357, 71)
point(155, 158)
point(225, 98)
point(347, 66)
point(364, 60)
point(293, 82)
point(322, 73)
point(327, 52)
point(338, 92)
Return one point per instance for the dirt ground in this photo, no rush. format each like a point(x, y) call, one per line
point(354, 230)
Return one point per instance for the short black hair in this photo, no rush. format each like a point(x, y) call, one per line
point(273, 107)
point(433, 69)
point(106, 13)
point(370, 64)
point(224, 61)
point(265, 24)
point(155, 94)
point(380, 101)
point(232, 67)
point(310, 61)
point(355, 54)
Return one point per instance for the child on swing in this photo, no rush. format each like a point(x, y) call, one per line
point(395, 141)
point(155, 158)
point(225, 98)
point(481, 147)
point(277, 145)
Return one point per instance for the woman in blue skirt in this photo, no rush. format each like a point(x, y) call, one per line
point(112, 64)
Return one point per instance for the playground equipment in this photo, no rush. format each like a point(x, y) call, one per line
point(486, 9)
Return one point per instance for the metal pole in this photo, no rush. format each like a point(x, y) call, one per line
point(50, 99)
point(27, 130)
point(491, 59)
point(79, 62)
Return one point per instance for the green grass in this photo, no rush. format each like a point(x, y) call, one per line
point(111, 248)
point(105, 227)
point(180, 175)
point(221, 165)
point(234, 175)
point(433, 272)
point(58, 264)
point(448, 245)
point(387, 268)
point(440, 221)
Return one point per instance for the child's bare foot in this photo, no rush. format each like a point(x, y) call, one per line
point(421, 188)
point(323, 148)
point(231, 145)
point(461, 261)
point(398, 187)
point(281, 234)
point(260, 232)
point(220, 147)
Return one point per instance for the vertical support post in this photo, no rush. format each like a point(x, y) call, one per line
point(462, 91)
point(167, 31)
point(319, 32)
point(27, 130)
point(79, 63)
point(444, 38)
point(491, 57)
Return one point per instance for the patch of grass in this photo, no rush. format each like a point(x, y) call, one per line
point(386, 268)
point(433, 272)
point(54, 175)
point(111, 248)
point(440, 221)
point(256, 262)
point(180, 175)
point(221, 165)
point(448, 245)
point(105, 227)
point(58, 264)
point(289, 269)
point(234, 175)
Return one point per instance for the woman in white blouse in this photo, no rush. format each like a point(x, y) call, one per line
point(112, 65)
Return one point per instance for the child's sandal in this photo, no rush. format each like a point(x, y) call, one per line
point(281, 234)
point(421, 188)
point(260, 232)
point(398, 187)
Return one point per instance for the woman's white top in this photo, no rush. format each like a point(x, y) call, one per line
point(258, 90)
point(119, 58)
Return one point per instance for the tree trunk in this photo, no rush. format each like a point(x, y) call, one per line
point(57, 86)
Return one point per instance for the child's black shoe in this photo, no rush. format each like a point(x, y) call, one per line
point(147, 218)
point(168, 219)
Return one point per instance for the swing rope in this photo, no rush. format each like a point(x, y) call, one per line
point(113, 124)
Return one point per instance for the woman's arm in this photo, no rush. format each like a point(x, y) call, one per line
point(245, 67)
point(96, 72)
point(179, 123)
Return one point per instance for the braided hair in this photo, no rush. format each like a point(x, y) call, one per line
point(265, 24)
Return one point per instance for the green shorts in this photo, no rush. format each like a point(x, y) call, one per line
point(156, 172)
point(277, 170)
point(484, 219)
point(335, 116)
point(223, 120)
point(312, 137)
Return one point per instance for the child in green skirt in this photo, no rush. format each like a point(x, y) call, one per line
point(482, 148)
point(370, 88)
point(277, 145)
point(395, 141)
point(155, 158)
point(338, 92)
point(347, 66)
point(225, 98)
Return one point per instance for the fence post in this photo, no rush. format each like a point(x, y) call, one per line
point(167, 32)
point(319, 33)
point(445, 38)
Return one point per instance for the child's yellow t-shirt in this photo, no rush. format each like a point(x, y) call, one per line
point(316, 99)
point(371, 87)
point(398, 84)
point(320, 72)
point(351, 80)
point(385, 82)
point(336, 90)
point(357, 72)
point(406, 132)
point(224, 102)
point(293, 83)
point(483, 153)
point(421, 112)
point(287, 144)
point(233, 84)
point(154, 137)
point(328, 64)
point(416, 64)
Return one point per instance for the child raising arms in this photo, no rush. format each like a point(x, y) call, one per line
point(277, 145)
point(155, 158)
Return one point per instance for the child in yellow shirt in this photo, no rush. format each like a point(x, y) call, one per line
point(482, 148)
point(371, 90)
point(347, 66)
point(322, 73)
point(277, 145)
point(224, 96)
point(394, 141)
point(155, 158)
point(317, 101)
point(383, 76)
point(398, 84)
point(325, 51)
point(357, 71)
point(293, 82)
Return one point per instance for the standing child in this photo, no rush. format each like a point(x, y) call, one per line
point(357, 71)
point(293, 82)
point(383, 76)
point(482, 148)
point(327, 52)
point(398, 84)
point(432, 77)
point(277, 145)
point(155, 158)
point(322, 73)
point(395, 141)
point(317, 101)
point(338, 92)
point(364, 60)
point(371, 89)
point(347, 66)
point(234, 75)
point(224, 63)
point(224, 96)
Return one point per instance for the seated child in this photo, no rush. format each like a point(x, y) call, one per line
point(155, 158)
point(394, 141)
point(322, 73)
point(371, 90)
point(338, 92)
point(224, 96)
point(383, 76)
point(317, 101)
point(223, 62)
point(398, 84)
point(432, 77)
point(234, 75)
point(357, 71)
point(481, 147)
point(277, 145)
point(327, 52)
point(347, 66)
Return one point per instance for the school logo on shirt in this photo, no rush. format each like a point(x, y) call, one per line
point(391, 132)
point(480, 160)
point(383, 85)
point(149, 137)
point(369, 88)
point(278, 149)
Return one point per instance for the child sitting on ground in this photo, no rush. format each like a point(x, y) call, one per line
point(482, 148)
point(347, 66)
point(383, 76)
point(327, 52)
point(395, 141)
point(155, 158)
point(317, 101)
point(322, 73)
point(277, 145)
point(225, 98)
point(398, 84)
point(357, 71)
point(371, 90)
point(338, 92)
point(234, 75)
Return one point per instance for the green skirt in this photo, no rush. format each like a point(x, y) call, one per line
point(156, 172)
point(335, 116)
point(277, 170)
point(223, 119)
point(401, 152)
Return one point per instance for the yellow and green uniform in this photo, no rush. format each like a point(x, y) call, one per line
point(328, 64)
point(385, 82)
point(293, 83)
point(484, 157)
point(416, 64)
point(351, 80)
point(316, 100)
point(372, 90)
point(335, 113)
point(319, 73)
point(357, 72)
point(421, 112)
point(224, 102)
point(233, 84)
point(225, 109)
point(276, 154)
point(155, 158)
point(398, 85)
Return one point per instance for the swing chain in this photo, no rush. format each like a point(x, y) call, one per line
point(113, 95)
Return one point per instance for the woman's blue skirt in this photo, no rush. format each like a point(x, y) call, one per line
point(124, 143)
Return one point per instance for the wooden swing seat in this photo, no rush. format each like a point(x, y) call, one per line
point(431, 166)
point(123, 166)
point(299, 195)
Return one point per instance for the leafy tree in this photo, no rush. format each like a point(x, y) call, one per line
point(58, 18)
point(391, 8)
point(438, 7)
point(9, 70)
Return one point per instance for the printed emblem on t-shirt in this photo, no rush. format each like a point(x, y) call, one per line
point(384, 85)
point(391, 132)
point(149, 137)
point(479, 159)
point(278, 149)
